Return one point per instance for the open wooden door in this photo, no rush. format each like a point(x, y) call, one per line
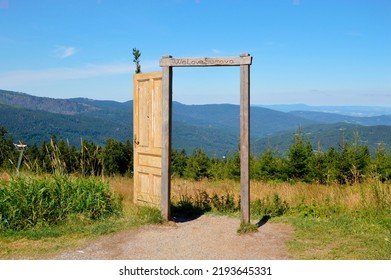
point(147, 136)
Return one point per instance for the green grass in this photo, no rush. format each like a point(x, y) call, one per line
point(247, 228)
point(330, 222)
point(330, 229)
point(28, 202)
point(41, 216)
point(42, 242)
point(347, 236)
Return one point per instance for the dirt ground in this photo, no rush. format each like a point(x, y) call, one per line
point(205, 238)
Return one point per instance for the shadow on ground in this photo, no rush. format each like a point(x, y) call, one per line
point(263, 221)
point(183, 212)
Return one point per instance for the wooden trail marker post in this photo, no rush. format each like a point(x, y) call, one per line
point(167, 63)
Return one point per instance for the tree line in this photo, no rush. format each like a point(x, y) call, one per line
point(58, 156)
point(350, 163)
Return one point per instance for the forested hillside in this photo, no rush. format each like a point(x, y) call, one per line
point(34, 126)
point(214, 128)
point(329, 118)
point(326, 136)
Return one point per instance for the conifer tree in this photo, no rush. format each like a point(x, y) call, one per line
point(300, 155)
point(136, 59)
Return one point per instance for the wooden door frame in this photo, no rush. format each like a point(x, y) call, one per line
point(167, 63)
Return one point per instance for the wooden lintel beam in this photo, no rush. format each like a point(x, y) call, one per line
point(244, 59)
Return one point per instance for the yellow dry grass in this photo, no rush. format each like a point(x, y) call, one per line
point(349, 196)
point(123, 186)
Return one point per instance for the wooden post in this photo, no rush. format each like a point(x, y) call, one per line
point(166, 141)
point(245, 142)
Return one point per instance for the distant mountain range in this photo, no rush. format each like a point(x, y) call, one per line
point(355, 111)
point(214, 128)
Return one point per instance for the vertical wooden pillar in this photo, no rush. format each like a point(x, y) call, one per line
point(166, 141)
point(245, 142)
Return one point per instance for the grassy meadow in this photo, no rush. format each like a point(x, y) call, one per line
point(46, 225)
point(330, 221)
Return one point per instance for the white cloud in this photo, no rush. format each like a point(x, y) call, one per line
point(26, 77)
point(216, 51)
point(64, 52)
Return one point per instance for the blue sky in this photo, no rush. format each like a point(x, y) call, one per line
point(317, 52)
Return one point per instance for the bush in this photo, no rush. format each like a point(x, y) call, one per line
point(203, 202)
point(189, 206)
point(319, 209)
point(28, 202)
point(271, 207)
point(224, 203)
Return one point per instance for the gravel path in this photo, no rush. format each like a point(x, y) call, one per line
point(206, 238)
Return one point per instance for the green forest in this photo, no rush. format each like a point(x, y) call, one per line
point(350, 163)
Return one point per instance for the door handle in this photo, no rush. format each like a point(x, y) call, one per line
point(135, 140)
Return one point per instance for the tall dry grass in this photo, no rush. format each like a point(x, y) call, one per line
point(371, 194)
point(123, 186)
